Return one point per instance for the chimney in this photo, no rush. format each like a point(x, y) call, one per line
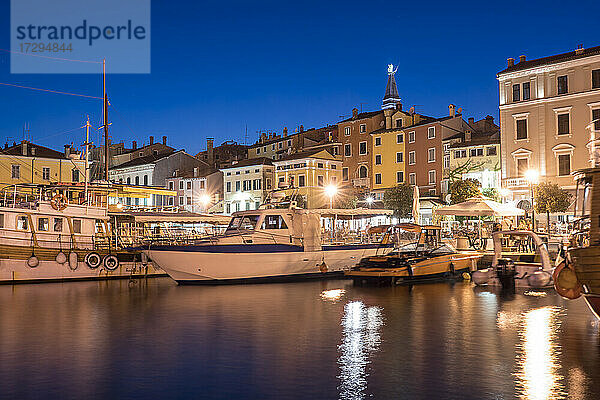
point(164, 140)
point(355, 112)
point(471, 120)
point(451, 110)
point(33, 151)
point(151, 139)
point(134, 145)
point(285, 132)
point(24, 147)
point(195, 172)
point(510, 61)
point(489, 119)
point(399, 106)
point(467, 135)
point(579, 49)
point(388, 117)
point(209, 149)
point(67, 147)
point(522, 58)
point(301, 128)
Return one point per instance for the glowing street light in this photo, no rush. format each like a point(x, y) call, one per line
point(370, 201)
point(205, 200)
point(331, 191)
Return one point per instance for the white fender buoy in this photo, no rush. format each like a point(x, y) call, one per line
point(73, 261)
point(144, 259)
point(481, 277)
point(61, 258)
point(110, 262)
point(33, 262)
point(93, 260)
point(539, 279)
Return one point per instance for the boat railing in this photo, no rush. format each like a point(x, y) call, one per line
point(580, 235)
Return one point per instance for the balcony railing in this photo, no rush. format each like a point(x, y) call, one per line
point(510, 183)
point(360, 182)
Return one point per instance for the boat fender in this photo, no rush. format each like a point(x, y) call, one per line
point(144, 259)
point(110, 262)
point(323, 267)
point(93, 260)
point(451, 267)
point(61, 258)
point(539, 279)
point(566, 282)
point(466, 276)
point(73, 260)
point(481, 277)
point(33, 262)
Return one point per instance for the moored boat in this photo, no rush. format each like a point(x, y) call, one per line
point(418, 255)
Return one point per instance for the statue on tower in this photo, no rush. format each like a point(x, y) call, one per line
point(391, 70)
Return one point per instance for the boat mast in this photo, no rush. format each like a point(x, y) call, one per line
point(87, 158)
point(105, 120)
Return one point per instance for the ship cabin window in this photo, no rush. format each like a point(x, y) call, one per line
point(243, 222)
point(99, 226)
point(76, 226)
point(22, 222)
point(274, 222)
point(43, 224)
point(1, 220)
point(58, 224)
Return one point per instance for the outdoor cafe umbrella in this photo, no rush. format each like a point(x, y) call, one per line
point(416, 205)
point(480, 207)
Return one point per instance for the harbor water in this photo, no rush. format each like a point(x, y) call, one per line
point(152, 339)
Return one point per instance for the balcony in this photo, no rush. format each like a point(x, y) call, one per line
point(513, 183)
point(361, 182)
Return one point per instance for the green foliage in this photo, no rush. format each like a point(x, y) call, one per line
point(550, 198)
point(399, 199)
point(463, 189)
point(464, 168)
point(491, 193)
point(347, 202)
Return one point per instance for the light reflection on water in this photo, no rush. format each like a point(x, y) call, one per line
point(360, 338)
point(332, 295)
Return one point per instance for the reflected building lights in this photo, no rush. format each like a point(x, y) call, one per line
point(361, 326)
point(535, 294)
point(332, 295)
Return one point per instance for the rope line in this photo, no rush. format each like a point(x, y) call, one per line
point(51, 58)
point(50, 91)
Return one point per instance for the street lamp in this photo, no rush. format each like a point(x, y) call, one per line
point(370, 201)
point(204, 200)
point(331, 191)
point(532, 176)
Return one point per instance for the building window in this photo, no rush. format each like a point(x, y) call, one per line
point(258, 150)
point(22, 222)
point(412, 178)
point(320, 165)
point(280, 145)
point(75, 175)
point(521, 129)
point(431, 132)
point(563, 86)
point(363, 128)
point(526, 91)
point(476, 152)
point(400, 138)
point(76, 226)
point(46, 173)
point(348, 150)
point(411, 137)
point(491, 151)
point(516, 92)
point(170, 201)
point(129, 180)
point(378, 141)
point(137, 180)
point(431, 176)
point(562, 121)
point(399, 177)
point(446, 162)
point(432, 192)
point(228, 185)
point(399, 123)
point(16, 172)
point(596, 119)
point(564, 164)
point(58, 224)
point(145, 180)
point(301, 180)
point(362, 148)
point(522, 166)
point(596, 79)
point(289, 143)
point(189, 201)
point(362, 171)
point(189, 185)
point(400, 157)
point(378, 179)
point(237, 186)
point(201, 184)
point(345, 174)
point(320, 180)
point(272, 148)
point(378, 159)
point(180, 200)
point(347, 131)
point(228, 208)
point(431, 155)
point(180, 185)
point(411, 158)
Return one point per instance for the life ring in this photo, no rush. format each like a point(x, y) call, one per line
point(110, 262)
point(93, 260)
point(59, 202)
point(33, 261)
point(73, 260)
point(566, 282)
point(61, 258)
point(323, 267)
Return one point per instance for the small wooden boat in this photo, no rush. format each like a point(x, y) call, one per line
point(418, 255)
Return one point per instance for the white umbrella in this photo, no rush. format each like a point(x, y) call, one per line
point(416, 205)
point(480, 207)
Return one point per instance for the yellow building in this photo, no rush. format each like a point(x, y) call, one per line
point(308, 174)
point(30, 163)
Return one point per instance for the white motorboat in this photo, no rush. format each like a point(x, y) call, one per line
point(269, 244)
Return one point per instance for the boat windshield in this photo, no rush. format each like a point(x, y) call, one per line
point(243, 222)
point(443, 248)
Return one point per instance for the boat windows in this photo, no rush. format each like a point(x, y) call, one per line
point(274, 222)
point(244, 222)
point(1, 220)
point(43, 224)
point(58, 224)
point(76, 226)
point(22, 222)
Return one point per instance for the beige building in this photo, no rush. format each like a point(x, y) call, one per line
point(547, 109)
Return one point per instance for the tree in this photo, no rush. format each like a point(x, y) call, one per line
point(399, 199)
point(490, 193)
point(348, 202)
point(550, 198)
point(456, 174)
point(463, 189)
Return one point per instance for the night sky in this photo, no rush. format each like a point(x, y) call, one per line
point(218, 67)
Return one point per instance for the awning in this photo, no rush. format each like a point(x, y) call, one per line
point(480, 207)
point(140, 192)
point(352, 213)
point(183, 217)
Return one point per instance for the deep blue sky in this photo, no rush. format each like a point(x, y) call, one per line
point(219, 66)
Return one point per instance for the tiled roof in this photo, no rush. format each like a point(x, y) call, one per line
point(478, 140)
point(40, 151)
point(251, 161)
point(302, 154)
point(151, 159)
point(363, 115)
point(310, 133)
point(571, 55)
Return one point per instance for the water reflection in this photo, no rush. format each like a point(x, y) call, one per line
point(538, 364)
point(360, 338)
point(332, 295)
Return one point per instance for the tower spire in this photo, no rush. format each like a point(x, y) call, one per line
point(391, 97)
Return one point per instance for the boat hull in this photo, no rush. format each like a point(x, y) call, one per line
point(198, 265)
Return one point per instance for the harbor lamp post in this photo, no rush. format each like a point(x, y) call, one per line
point(331, 191)
point(205, 201)
point(532, 176)
point(370, 201)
